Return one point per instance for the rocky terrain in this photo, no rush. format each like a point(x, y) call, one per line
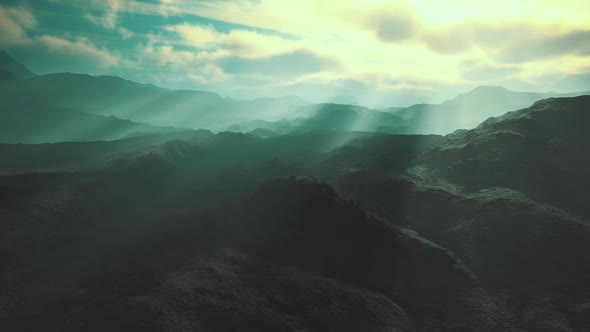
point(321, 228)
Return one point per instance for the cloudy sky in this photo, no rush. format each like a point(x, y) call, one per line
point(364, 51)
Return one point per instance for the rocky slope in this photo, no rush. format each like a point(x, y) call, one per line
point(540, 150)
point(508, 198)
point(195, 232)
point(296, 256)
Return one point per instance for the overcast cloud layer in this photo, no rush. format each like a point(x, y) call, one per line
point(370, 52)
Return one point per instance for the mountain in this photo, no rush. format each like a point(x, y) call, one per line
point(345, 243)
point(469, 109)
point(7, 63)
point(28, 121)
point(540, 150)
point(145, 103)
point(318, 117)
point(227, 230)
point(349, 117)
point(227, 268)
point(273, 108)
point(79, 156)
point(108, 95)
point(508, 198)
point(322, 220)
point(463, 112)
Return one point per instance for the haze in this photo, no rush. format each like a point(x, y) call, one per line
point(294, 166)
point(372, 53)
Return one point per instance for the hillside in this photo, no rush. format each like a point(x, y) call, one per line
point(26, 121)
point(539, 150)
point(146, 103)
point(223, 253)
point(300, 217)
point(469, 109)
point(8, 64)
point(108, 95)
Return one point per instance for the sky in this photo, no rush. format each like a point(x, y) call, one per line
point(369, 52)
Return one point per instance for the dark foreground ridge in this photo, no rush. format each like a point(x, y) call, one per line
point(303, 258)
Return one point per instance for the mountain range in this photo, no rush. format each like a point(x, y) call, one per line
point(148, 104)
point(304, 217)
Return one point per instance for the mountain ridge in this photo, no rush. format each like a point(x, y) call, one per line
point(11, 65)
point(111, 95)
point(353, 231)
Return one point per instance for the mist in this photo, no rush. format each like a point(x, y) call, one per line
point(294, 166)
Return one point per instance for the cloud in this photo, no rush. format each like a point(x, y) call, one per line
point(461, 37)
point(197, 36)
point(111, 9)
point(238, 55)
point(540, 47)
point(486, 72)
point(14, 21)
point(237, 52)
point(245, 43)
point(510, 42)
point(428, 40)
point(125, 34)
point(48, 52)
point(110, 15)
point(393, 27)
point(194, 65)
point(271, 46)
point(452, 42)
point(77, 51)
point(577, 82)
point(167, 55)
point(296, 63)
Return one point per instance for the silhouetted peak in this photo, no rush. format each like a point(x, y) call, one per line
point(11, 65)
point(293, 99)
point(489, 88)
point(489, 92)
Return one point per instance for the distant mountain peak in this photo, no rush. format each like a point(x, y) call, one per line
point(487, 92)
point(489, 88)
point(14, 67)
